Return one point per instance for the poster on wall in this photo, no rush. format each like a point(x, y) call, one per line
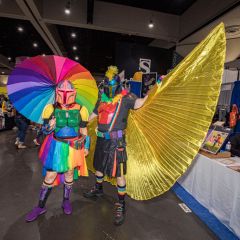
point(144, 65)
point(214, 141)
point(148, 81)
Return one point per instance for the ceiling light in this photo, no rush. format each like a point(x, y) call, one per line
point(67, 9)
point(3, 72)
point(74, 48)
point(43, 54)
point(73, 35)
point(35, 45)
point(9, 58)
point(20, 29)
point(151, 24)
point(76, 58)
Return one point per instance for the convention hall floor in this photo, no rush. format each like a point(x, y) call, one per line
point(20, 178)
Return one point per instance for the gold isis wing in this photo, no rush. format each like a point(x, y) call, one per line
point(164, 136)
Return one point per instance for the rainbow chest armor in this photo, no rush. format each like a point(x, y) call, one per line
point(106, 112)
point(67, 122)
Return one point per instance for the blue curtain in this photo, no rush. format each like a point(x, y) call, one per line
point(235, 99)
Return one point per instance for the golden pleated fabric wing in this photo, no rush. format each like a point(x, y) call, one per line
point(164, 136)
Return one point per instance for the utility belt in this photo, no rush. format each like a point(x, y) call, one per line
point(110, 135)
point(76, 143)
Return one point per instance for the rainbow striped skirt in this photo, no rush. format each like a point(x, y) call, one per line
point(60, 157)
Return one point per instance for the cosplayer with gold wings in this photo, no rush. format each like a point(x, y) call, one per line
point(165, 134)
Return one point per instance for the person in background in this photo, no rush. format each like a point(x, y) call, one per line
point(235, 145)
point(1, 99)
point(2, 119)
point(39, 135)
point(4, 105)
point(22, 125)
point(11, 116)
point(6, 110)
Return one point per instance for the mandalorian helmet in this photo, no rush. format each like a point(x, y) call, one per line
point(65, 93)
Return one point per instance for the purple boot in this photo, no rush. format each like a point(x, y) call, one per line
point(40, 209)
point(66, 205)
point(33, 215)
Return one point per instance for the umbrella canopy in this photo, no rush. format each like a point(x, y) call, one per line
point(31, 85)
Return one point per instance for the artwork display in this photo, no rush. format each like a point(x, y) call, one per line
point(214, 141)
point(148, 81)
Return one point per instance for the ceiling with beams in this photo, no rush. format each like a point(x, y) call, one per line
point(93, 48)
point(14, 43)
point(100, 24)
point(177, 7)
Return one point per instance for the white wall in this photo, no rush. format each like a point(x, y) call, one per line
point(200, 12)
point(229, 76)
point(233, 42)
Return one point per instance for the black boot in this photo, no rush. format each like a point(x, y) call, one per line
point(94, 192)
point(119, 215)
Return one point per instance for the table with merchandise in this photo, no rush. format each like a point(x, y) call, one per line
point(215, 183)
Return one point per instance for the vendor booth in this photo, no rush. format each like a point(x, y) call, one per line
point(214, 183)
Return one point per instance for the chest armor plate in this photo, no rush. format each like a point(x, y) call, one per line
point(106, 112)
point(70, 118)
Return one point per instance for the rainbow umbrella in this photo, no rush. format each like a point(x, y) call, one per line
point(31, 85)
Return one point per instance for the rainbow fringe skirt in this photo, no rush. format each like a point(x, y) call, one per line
point(60, 157)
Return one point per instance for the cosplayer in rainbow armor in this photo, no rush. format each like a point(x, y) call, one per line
point(65, 147)
point(110, 153)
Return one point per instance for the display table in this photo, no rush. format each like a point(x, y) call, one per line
point(217, 188)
